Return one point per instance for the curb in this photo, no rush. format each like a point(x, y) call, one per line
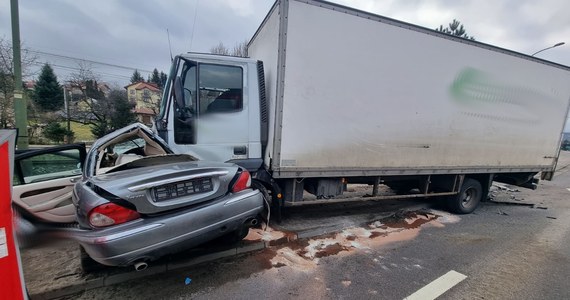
point(242, 248)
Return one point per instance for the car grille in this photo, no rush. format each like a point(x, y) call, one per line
point(181, 189)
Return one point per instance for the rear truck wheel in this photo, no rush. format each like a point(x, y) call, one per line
point(468, 198)
point(88, 265)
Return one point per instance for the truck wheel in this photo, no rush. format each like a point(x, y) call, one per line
point(468, 198)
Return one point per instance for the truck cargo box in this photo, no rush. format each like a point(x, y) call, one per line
point(356, 94)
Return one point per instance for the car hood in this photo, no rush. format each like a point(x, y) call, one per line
point(160, 183)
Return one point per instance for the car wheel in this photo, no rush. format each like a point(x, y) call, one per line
point(468, 198)
point(88, 265)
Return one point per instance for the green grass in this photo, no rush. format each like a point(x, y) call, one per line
point(82, 131)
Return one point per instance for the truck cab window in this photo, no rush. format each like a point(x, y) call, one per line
point(220, 89)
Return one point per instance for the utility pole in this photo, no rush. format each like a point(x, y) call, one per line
point(66, 104)
point(20, 106)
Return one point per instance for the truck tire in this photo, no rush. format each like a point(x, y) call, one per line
point(468, 198)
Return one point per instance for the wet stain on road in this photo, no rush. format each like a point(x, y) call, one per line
point(330, 250)
point(305, 254)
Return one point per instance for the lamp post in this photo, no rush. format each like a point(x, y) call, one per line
point(556, 45)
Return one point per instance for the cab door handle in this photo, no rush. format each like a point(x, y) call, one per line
point(240, 150)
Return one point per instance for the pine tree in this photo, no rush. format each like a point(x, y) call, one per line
point(136, 77)
point(163, 79)
point(48, 94)
point(155, 78)
point(455, 28)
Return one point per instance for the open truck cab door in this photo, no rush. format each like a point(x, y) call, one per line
point(211, 109)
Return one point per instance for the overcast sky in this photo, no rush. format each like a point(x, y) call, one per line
point(132, 33)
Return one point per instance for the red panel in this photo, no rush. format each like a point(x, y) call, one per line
point(10, 278)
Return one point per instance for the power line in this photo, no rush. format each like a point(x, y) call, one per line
point(85, 60)
point(88, 60)
point(117, 76)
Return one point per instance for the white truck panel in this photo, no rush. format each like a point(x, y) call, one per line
point(363, 94)
point(264, 47)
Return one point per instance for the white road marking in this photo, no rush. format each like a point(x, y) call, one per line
point(437, 287)
point(568, 189)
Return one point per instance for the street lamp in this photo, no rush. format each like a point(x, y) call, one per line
point(556, 45)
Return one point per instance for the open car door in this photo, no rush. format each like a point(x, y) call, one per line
point(43, 182)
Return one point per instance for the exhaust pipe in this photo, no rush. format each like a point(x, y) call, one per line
point(251, 222)
point(140, 266)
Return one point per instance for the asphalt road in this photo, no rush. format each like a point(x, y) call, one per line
point(504, 251)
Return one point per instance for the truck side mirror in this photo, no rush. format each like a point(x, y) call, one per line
point(178, 92)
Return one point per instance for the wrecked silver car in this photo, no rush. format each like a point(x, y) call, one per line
point(137, 201)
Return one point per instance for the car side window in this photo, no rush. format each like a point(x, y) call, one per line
point(47, 166)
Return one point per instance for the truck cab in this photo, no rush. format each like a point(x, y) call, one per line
point(211, 109)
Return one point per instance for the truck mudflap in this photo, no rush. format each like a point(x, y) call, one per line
point(547, 175)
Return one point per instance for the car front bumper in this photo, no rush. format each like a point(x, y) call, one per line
point(149, 238)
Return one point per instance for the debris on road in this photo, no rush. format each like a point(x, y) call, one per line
point(502, 213)
point(549, 217)
point(531, 205)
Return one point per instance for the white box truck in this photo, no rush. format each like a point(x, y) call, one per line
point(332, 95)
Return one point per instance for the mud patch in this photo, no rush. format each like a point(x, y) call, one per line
point(376, 234)
point(409, 219)
point(330, 250)
point(305, 254)
point(264, 258)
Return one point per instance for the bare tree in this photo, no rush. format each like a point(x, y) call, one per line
point(90, 105)
point(82, 102)
point(7, 80)
point(220, 49)
point(239, 49)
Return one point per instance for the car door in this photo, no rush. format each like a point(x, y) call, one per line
point(43, 182)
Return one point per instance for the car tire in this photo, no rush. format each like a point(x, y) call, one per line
point(468, 198)
point(88, 265)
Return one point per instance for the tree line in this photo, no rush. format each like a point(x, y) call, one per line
point(105, 110)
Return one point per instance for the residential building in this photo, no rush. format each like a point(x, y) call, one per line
point(146, 97)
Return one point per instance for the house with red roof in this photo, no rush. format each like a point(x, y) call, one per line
point(146, 97)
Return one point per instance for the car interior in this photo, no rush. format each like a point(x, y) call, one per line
point(126, 148)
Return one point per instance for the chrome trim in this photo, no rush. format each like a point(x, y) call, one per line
point(149, 185)
point(84, 235)
point(240, 197)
